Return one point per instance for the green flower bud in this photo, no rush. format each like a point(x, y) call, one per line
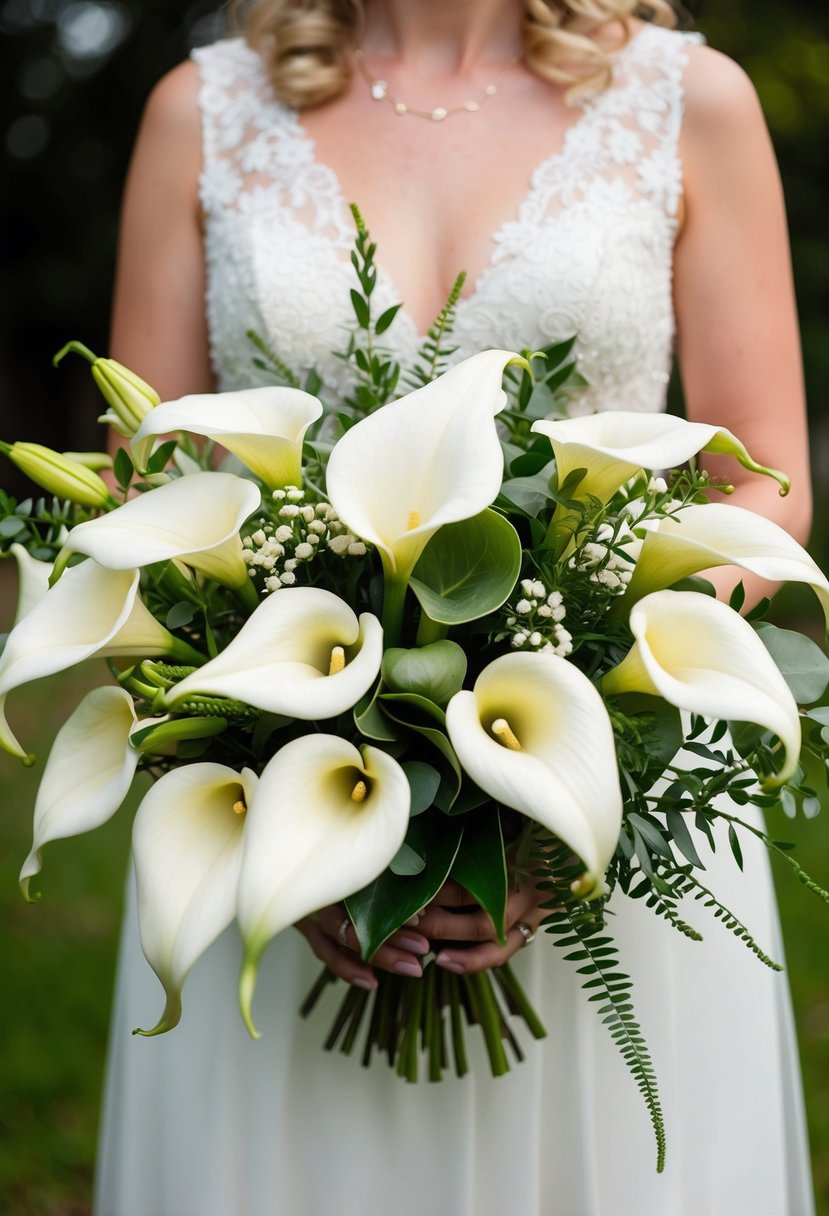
point(129, 397)
point(59, 475)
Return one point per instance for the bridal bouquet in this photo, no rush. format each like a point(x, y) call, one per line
point(403, 637)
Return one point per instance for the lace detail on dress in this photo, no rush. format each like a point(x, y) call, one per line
point(589, 251)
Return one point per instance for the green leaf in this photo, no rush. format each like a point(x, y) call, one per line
point(424, 780)
point(180, 614)
point(406, 862)
point(122, 467)
point(158, 461)
point(738, 597)
point(361, 309)
point(12, 525)
point(532, 493)
point(435, 671)
point(385, 319)
point(682, 838)
point(468, 569)
point(802, 663)
point(481, 866)
point(370, 719)
point(384, 905)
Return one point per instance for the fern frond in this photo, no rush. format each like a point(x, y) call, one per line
point(432, 356)
point(691, 885)
point(271, 360)
point(664, 905)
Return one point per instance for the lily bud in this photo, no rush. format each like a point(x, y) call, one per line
point(59, 475)
point(129, 397)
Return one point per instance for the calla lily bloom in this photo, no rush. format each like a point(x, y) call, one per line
point(431, 458)
point(90, 611)
point(195, 519)
point(701, 656)
point(326, 820)
point(302, 652)
point(716, 534)
point(87, 775)
point(187, 849)
point(535, 735)
point(264, 427)
point(32, 580)
point(616, 445)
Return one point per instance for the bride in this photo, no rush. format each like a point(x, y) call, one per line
point(595, 172)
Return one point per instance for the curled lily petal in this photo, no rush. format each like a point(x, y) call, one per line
point(325, 821)
point(89, 611)
point(194, 519)
point(263, 427)
point(700, 655)
point(302, 652)
point(88, 773)
point(33, 580)
point(716, 534)
point(187, 849)
point(615, 445)
point(534, 734)
point(432, 457)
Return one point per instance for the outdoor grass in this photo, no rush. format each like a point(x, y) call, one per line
point(58, 959)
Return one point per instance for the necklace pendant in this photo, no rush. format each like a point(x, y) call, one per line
point(379, 88)
point(438, 114)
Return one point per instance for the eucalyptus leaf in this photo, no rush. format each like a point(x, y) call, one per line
point(468, 569)
point(481, 866)
point(802, 663)
point(406, 862)
point(180, 614)
point(424, 780)
point(384, 905)
point(530, 493)
point(435, 671)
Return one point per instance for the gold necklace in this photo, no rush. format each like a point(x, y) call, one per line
point(380, 91)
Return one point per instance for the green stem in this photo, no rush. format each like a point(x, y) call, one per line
point(77, 348)
point(184, 653)
point(394, 599)
point(518, 1000)
point(323, 980)
point(489, 1016)
point(248, 595)
point(429, 630)
point(456, 1015)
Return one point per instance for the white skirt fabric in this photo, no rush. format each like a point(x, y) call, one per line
point(206, 1122)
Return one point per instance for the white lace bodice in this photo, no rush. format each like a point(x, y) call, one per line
point(589, 251)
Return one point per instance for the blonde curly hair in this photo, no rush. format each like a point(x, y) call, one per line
point(308, 43)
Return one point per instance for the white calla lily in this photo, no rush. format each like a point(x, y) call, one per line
point(703, 535)
point(431, 458)
point(187, 849)
point(535, 735)
point(303, 652)
point(615, 445)
point(700, 655)
point(194, 519)
point(32, 580)
point(89, 611)
point(263, 427)
point(326, 820)
point(88, 773)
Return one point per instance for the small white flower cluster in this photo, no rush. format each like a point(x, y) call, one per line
point(300, 531)
point(601, 558)
point(536, 621)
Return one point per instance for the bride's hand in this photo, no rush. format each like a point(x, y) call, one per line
point(452, 918)
point(331, 936)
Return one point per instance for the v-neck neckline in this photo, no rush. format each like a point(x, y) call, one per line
point(590, 105)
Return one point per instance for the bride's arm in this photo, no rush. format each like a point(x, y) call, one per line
point(158, 322)
point(738, 342)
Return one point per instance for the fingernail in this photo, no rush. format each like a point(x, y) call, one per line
point(415, 945)
point(362, 981)
point(449, 964)
point(414, 922)
point(412, 969)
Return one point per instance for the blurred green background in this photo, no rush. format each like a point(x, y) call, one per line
point(74, 76)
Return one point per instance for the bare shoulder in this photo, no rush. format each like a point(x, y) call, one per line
point(721, 103)
point(173, 105)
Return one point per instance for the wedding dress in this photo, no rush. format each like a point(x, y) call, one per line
point(205, 1122)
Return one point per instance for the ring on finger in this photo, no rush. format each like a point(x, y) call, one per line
point(342, 932)
point(525, 931)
